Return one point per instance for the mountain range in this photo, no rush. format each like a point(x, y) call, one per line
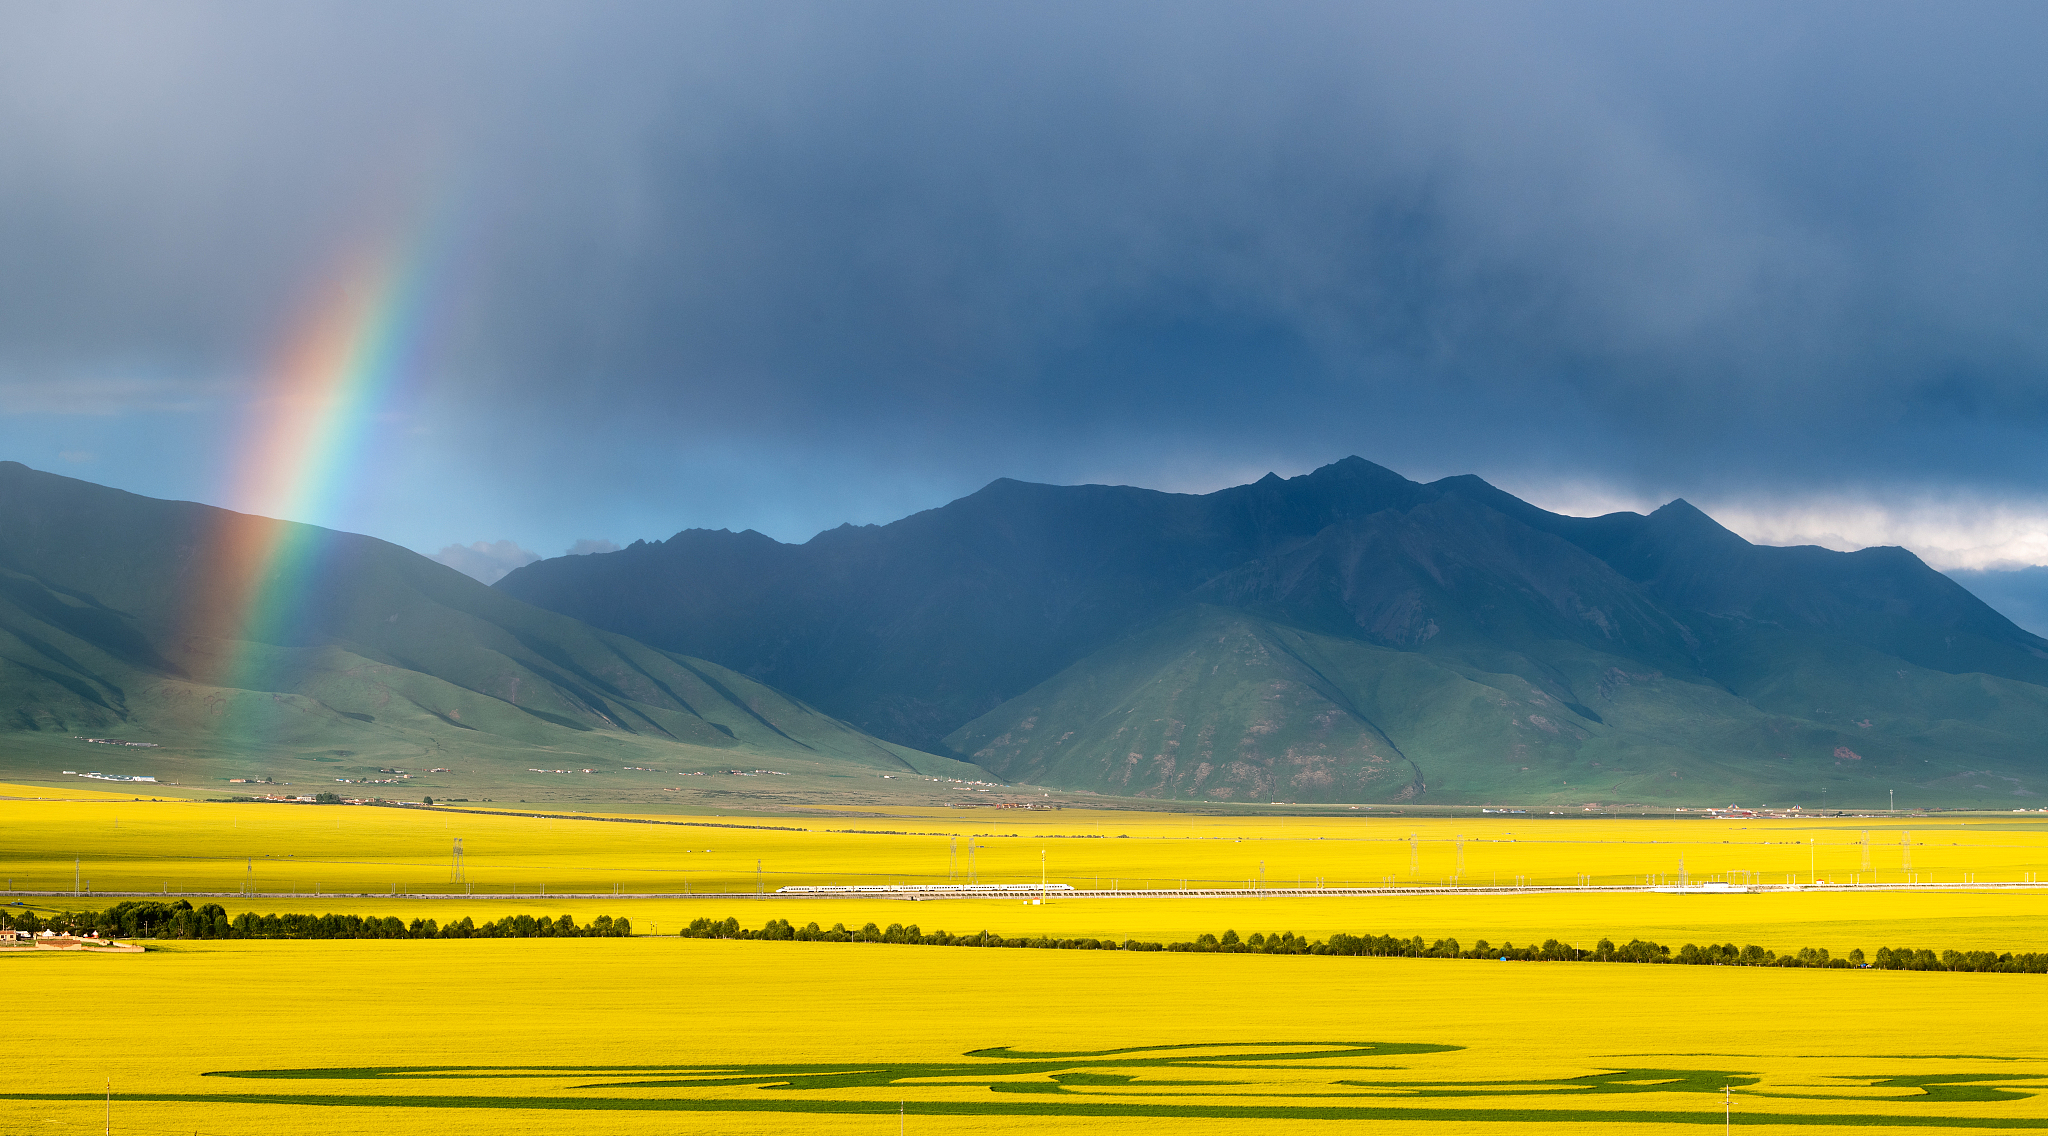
point(1344, 636)
point(1350, 634)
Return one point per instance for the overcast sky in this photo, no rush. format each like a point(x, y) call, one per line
point(785, 265)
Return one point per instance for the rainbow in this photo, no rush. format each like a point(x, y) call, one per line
point(308, 431)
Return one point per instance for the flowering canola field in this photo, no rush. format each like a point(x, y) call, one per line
point(655, 1033)
point(666, 1035)
point(127, 845)
point(303, 855)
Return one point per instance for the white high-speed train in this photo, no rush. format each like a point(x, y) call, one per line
point(937, 889)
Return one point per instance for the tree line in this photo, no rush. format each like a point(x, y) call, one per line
point(1392, 946)
point(151, 919)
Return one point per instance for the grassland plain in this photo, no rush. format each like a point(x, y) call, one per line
point(103, 843)
point(697, 1036)
point(608, 774)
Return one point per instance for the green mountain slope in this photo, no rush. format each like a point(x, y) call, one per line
point(1208, 704)
point(381, 653)
point(1219, 704)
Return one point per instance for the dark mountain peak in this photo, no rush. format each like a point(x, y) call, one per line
point(1682, 522)
point(1353, 470)
point(1352, 462)
point(1005, 499)
point(1470, 483)
point(1472, 487)
point(1004, 484)
point(1888, 553)
point(1352, 487)
point(1679, 511)
point(721, 536)
point(1004, 489)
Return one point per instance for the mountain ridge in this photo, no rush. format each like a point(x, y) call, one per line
point(920, 629)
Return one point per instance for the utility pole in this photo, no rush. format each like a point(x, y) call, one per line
point(760, 884)
point(76, 886)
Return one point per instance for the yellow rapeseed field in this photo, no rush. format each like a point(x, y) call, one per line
point(627, 1035)
point(139, 845)
point(108, 843)
point(665, 1035)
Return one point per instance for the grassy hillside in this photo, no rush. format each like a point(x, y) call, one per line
point(386, 658)
point(1223, 705)
point(1209, 704)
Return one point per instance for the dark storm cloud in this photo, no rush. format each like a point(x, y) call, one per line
point(1704, 249)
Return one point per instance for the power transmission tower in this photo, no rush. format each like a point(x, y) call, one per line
point(455, 874)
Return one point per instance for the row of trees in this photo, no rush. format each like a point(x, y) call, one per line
point(895, 933)
point(1287, 942)
point(1906, 958)
point(151, 919)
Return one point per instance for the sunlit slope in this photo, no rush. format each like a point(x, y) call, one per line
point(830, 1038)
point(1221, 704)
point(1209, 704)
point(382, 653)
